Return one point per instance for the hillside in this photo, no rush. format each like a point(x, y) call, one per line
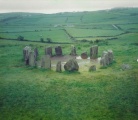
point(69, 27)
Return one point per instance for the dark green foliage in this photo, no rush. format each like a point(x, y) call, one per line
point(20, 38)
point(49, 40)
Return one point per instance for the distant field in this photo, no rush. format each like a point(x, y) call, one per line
point(78, 25)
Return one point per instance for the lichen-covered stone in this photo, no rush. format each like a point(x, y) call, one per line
point(106, 58)
point(71, 65)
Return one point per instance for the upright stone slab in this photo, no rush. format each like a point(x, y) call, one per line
point(111, 56)
point(48, 51)
point(58, 51)
point(84, 55)
point(59, 67)
point(71, 65)
point(106, 58)
point(36, 53)
point(26, 52)
point(94, 52)
point(46, 62)
point(73, 50)
point(32, 59)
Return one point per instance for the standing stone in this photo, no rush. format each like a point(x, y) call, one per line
point(58, 51)
point(32, 59)
point(26, 52)
point(48, 51)
point(59, 67)
point(46, 62)
point(71, 65)
point(111, 56)
point(92, 68)
point(73, 50)
point(84, 55)
point(94, 52)
point(106, 58)
point(36, 53)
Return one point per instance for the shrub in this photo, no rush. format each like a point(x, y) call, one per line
point(49, 40)
point(20, 38)
point(42, 39)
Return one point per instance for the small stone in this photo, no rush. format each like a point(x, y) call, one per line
point(59, 67)
point(92, 68)
point(126, 67)
point(71, 65)
point(84, 55)
point(73, 50)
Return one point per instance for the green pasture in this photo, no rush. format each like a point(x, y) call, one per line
point(92, 32)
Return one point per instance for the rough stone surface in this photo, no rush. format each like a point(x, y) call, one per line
point(71, 65)
point(48, 51)
point(84, 55)
point(94, 52)
point(106, 58)
point(36, 53)
point(73, 50)
point(58, 67)
point(126, 67)
point(110, 56)
point(92, 68)
point(32, 59)
point(26, 52)
point(58, 51)
point(46, 62)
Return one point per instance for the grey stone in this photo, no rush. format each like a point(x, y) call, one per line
point(26, 52)
point(46, 62)
point(73, 50)
point(84, 55)
point(110, 56)
point(92, 68)
point(94, 52)
point(106, 58)
point(32, 59)
point(71, 65)
point(126, 67)
point(36, 53)
point(48, 51)
point(58, 51)
point(58, 67)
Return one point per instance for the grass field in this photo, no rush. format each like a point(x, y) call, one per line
point(110, 93)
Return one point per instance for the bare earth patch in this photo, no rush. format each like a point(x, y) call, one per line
point(84, 64)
